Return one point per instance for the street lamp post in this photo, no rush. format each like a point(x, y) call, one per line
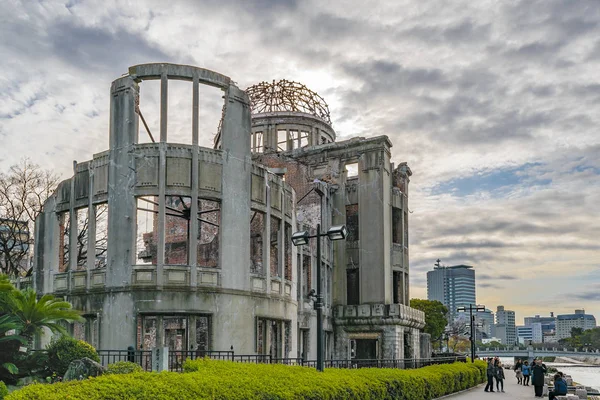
point(337, 232)
point(472, 323)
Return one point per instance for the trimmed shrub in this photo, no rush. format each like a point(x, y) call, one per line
point(123, 367)
point(3, 390)
point(66, 349)
point(211, 379)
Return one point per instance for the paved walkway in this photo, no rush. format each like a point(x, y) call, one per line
point(512, 390)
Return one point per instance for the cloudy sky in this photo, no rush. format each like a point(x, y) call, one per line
point(494, 104)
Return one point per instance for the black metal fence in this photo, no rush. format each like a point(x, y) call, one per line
point(141, 357)
point(176, 359)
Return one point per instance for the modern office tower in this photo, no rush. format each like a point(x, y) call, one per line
point(566, 322)
point(453, 286)
point(505, 325)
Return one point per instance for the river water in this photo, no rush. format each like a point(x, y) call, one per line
point(587, 376)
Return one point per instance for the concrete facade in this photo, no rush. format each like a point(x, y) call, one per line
point(165, 244)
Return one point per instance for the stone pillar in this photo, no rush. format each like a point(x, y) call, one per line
point(118, 329)
point(374, 213)
point(121, 181)
point(236, 178)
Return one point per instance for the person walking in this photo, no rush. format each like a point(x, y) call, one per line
point(526, 372)
point(560, 387)
point(538, 371)
point(518, 372)
point(499, 377)
point(490, 376)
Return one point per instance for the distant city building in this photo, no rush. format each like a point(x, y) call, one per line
point(491, 339)
point(550, 337)
point(566, 322)
point(531, 332)
point(505, 325)
point(548, 323)
point(485, 324)
point(453, 286)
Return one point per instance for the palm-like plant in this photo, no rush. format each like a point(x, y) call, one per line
point(8, 323)
point(5, 285)
point(47, 312)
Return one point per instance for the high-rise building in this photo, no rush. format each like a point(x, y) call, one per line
point(566, 322)
point(453, 286)
point(505, 325)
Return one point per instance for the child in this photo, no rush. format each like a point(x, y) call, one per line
point(518, 372)
point(500, 378)
point(526, 372)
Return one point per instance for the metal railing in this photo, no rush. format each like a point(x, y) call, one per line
point(176, 359)
point(141, 357)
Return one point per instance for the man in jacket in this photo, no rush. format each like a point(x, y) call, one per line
point(491, 371)
point(537, 378)
point(560, 387)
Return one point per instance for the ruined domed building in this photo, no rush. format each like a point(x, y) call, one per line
point(178, 245)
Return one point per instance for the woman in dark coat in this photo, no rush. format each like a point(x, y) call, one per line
point(537, 378)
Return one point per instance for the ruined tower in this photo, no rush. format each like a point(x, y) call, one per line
point(366, 283)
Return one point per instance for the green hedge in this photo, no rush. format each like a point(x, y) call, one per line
point(63, 351)
point(123, 367)
point(209, 379)
point(3, 390)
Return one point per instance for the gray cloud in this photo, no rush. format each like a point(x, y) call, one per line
point(502, 277)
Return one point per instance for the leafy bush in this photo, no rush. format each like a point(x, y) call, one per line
point(66, 349)
point(3, 390)
point(123, 367)
point(211, 379)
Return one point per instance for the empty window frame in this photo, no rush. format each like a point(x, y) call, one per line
point(64, 227)
point(352, 222)
point(306, 275)
point(209, 221)
point(298, 139)
point(397, 228)
point(273, 337)
point(203, 332)
point(257, 229)
point(282, 140)
point(179, 120)
point(148, 108)
point(257, 142)
point(352, 286)
point(405, 229)
point(352, 170)
point(82, 237)
point(288, 252)
point(177, 229)
point(398, 287)
point(146, 243)
point(274, 249)
point(101, 213)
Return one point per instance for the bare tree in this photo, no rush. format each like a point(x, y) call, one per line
point(23, 191)
point(458, 331)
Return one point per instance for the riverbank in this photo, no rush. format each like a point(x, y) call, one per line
point(582, 373)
